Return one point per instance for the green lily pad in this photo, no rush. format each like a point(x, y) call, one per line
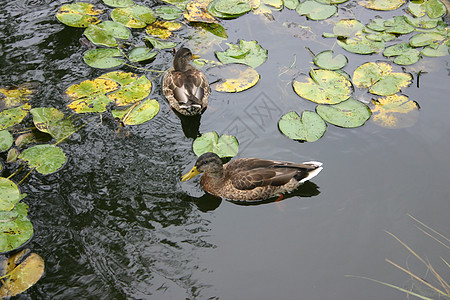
point(348, 28)
point(432, 8)
point(324, 87)
point(395, 111)
point(425, 39)
point(9, 194)
point(168, 12)
point(50, 120)
point(227, 9)
point(331, 1)
point(78, 14)
point(225, 146)
point(141, 54)
point(106, 33)
point(291, 4)
point(347, 114)
point(89, 95)
point(15, 228)
point(234, 78)
point(6, 140)
point(136, 16)
point(325, 60)
point(214, 28)
point(315, 10)
point(309, 127)
point(45, 158)
point(23, 276)
point(138, 114)
point(441, 50)
point(377, 24)
point(398, 25)
point(404, 54)
point(103, 58)
point(246, 52)
point(132, 90)
point(13, 116)
point(382, 4)
point(380, 78)
point(157, 44)
point(424, 22)
point(381, 36)
point(181, 4)
point(118, 3)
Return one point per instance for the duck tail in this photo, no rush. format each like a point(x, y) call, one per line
point(311, 173)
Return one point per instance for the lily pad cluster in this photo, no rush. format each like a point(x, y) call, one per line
point(127, 91)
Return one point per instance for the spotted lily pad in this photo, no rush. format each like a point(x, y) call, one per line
point(141, 54)
point(309, 127)
point(9, 195)
point(118, 3)
point(168, 12)
point(225, 146)
point(78, 14)
point(162, 29)
point(50, 120)
point(136, 16)
point(404, 54)
point(395, 111)
point(315, 10)
point(23, 276)
point(246, 52)
point(6, 140)
point(382, 4)
point(12, 116)
point(15, 228)
point(181, 4)
point(234, 78)
point(380, 78)
point(45, 158)
point(15, 96)
point(106, 33)
point(157, 44)
point(197, 11)
point(324, 87)
point(325, 60)
point(348, 114)
point(139, 113)
point(103, 58)
point(132, 90)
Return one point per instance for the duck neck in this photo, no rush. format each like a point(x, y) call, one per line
point(180, 65)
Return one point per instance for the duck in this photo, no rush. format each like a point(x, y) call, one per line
point(250, 179)
point(185, 87)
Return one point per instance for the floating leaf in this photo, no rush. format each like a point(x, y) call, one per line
point(276, 4)
point(181, 4)
point(119, 3)
point(89, 95)
point(161, 29)
point(380, 36)
point(441, 50)
point(315, 10)
point(291, 4)
point(78, 14)
point(234, 78)
point(214, 28)
point(398, 25)
point(23, 276)
point(12, 116)
point(12, 156)
point(424, 22)
point(45, 158)
point(15, 227)
point(50, 120)
point(348, 114)
point(106, 33)
point(324, 87)
point(103, 58)
point(136, 16)
point(9, 195)
point(325, 60)
point(309, 127)
point(141, 54)
point(380, 79)
point(377, 24)
point(133, 88)
point(157, 44)
point(433, 8)
point(138, 114)
point(425, 39)
point(404, 54)
point(196, 11)
point(14, 96)
point(395, 111)
point(382, 4)
point(249, 53)
point(168, 12)
point(347, 28)
point(6, 140)
point(228, 9)
point(225, 146)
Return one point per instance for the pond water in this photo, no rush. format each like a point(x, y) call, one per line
point(116, 222)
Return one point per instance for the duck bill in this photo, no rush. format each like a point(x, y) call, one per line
point(191, 174)
point(195, 56)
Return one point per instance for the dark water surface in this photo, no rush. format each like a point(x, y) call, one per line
point(116, 223)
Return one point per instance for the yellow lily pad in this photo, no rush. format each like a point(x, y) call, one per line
point(12, 116)
point(139, 113)
point(395, 111)
point(382, 4)
point(234, 78)
point(197, 11)
point(13, 97)
point(162, 29)
point(89, 95)
point(132, 90)
point(136, 16)
point(78, 14)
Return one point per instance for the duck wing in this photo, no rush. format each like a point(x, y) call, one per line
point(189, 88)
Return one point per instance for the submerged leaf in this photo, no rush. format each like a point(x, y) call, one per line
point(78, 14)
point(395, 111)
point(225, 146)
point(45, 158)
point(197, 11)
point(138, 114)
point(348, 114)
point(14, 96)
point(9, 195)
point(309, 127)
point(15, 227)
point(246, 52)
point(234, 78)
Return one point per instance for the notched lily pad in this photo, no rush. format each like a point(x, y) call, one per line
point(308, 127)
point(404, 54)
point(395, 111)
point(78, 14)
point(141, 54)
point(45, 158)
point(315, 10)
point(225, 146)
point(347, 114)
point(138, 113)
point(103, 58)
point(382, 4)
point(324, 87)
point(106, 33)
point(136, 16)
point(246, 52)
point(9, 195)
point(325, 60)
point(234, 77)
point(15, 227)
